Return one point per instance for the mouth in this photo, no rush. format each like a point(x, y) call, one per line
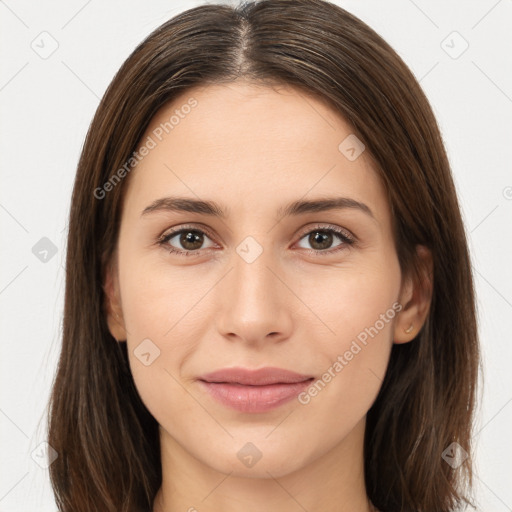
point(254, 391)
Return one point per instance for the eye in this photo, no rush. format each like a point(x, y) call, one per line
point(321, 239)
point(191, 240)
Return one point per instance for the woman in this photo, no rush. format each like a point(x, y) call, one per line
point(269, 300)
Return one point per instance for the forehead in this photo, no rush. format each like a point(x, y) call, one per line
point(239, 141)
point(280, 117)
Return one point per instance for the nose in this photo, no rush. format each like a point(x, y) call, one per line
point(255, 305)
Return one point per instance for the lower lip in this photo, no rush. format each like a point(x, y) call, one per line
point(254, 398)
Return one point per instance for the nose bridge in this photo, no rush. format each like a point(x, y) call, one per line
point(252, 306)
point(254, 283)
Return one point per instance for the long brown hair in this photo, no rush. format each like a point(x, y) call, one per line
point(107, 441)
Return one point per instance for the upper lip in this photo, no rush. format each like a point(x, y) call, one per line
point(259, 377)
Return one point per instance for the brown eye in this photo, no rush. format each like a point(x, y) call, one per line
point(321, 240)
point(185, 241)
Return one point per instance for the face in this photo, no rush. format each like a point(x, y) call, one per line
point(313, 290)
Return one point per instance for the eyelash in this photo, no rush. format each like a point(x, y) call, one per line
point(343, 235)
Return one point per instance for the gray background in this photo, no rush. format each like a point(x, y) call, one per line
point(48, 100)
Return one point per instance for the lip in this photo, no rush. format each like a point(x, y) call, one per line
point(254, 390)
point(259, 377)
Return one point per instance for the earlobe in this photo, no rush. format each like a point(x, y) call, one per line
point(112, 305)
point(416, 297)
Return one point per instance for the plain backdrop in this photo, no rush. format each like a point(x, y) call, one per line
point(57, 58)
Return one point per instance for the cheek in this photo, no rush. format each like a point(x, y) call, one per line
point(349, 350)
point(350, 300)
point(359, 309)
point(162, 308)
point(159, 298)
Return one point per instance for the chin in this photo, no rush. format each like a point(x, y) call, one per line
point(258, 459)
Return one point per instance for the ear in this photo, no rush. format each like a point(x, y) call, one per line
point(415, 297)
point(112, 305)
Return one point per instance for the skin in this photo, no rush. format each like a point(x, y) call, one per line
point(253, 149)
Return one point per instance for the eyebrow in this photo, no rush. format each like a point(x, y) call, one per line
point(185, 204)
